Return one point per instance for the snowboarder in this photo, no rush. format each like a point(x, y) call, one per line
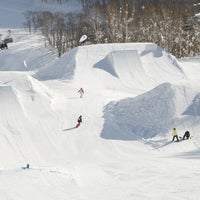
point(79, 121)
point(175, 135)
point(81, 91)
point(186, 135)
point(3, 45)
point(27, 166)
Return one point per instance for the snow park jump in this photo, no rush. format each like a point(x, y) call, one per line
point(135, 94)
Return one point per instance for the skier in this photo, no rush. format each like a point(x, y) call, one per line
point(79, 121)
point(186, 135)
point(175, 135)
point(81, 91)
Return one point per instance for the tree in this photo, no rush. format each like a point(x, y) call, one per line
point(172, 24)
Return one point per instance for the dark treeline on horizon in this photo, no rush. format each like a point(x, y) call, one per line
point(171, 24)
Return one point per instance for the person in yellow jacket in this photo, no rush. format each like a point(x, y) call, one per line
point(175, 135)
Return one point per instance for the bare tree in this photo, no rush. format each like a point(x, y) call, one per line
point(172, 24)
point(28, 22)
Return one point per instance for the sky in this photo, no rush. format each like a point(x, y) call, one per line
point(12, 11)
point(134, 95)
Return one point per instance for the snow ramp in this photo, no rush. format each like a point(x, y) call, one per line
point(130, 65)
point(153, 113)
point(144, 116)
point(125, 65)
point(139, 67)
point(12, 118)
point(24, 101)
point(11, 109)
point(62, 68)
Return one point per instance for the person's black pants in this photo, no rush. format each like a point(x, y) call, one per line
point(175, 136)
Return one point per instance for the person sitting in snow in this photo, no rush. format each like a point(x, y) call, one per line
point(186, 135)
point(3, 45)
point(81, 91)
point(27, 166)
point(79, 121)
point(175, 135)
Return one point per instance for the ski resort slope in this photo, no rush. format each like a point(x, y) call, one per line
point(134, 95)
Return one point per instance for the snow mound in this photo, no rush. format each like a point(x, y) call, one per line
point(191, 67)
point(10, 107)
point(125, 65)
point(132, 68)
point(134, 65)
point(62, 68)
point(25, 84)
point(23, 93)
point(194, 108)
point(155, 109)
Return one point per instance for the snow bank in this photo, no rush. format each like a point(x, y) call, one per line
point(25, 84)
point(191, 67)
point(62, 68)
point(133, 65)
point(144, 116)
point(194, 108)
point(10, 106)
point(125, 65)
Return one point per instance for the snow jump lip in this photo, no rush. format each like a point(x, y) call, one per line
point(123, 64)
point(9, 104)
point(131, 66)
point(114, 63)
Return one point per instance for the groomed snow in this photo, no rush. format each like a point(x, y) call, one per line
point(134, 95)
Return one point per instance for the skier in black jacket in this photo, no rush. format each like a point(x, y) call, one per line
point(186, 135)
point(79, 121)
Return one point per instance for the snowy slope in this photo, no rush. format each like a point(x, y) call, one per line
point(143, 64)
point(25, 55)
point(134, 95)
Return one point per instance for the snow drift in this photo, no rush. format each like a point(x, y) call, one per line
point(194, 108)
point(144, 116)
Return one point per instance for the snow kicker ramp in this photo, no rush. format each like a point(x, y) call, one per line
point(23, 135)
point(139, 67)
point(130, 65)
point(125, 65)
point(11, 121)
point(11, 110)
point(144, 116)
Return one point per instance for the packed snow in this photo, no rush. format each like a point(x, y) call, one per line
point(135, 94)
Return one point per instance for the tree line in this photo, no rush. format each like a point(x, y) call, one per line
point(172, 24)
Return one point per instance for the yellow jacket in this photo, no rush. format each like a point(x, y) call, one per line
point(174, 132)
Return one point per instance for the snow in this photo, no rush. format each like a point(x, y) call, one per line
point(135, 94)
point(127, 115)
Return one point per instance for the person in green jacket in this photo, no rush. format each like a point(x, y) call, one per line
point(175, 135)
